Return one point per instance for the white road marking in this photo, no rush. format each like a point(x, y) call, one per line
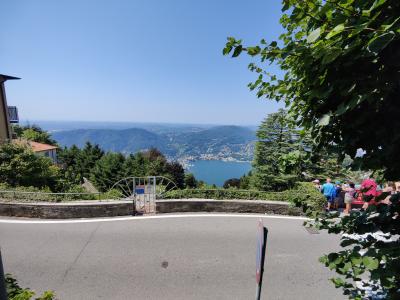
point(132, 218)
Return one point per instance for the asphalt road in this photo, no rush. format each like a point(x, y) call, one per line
point(201, 257)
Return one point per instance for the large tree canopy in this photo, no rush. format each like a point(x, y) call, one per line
point(283, 155)
point(33, 133)
point(341, 63)
point(275, 139)
point(341, 82)
point(19, 166)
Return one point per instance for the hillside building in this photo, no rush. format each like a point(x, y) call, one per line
point(7, 114)
point(46, 150)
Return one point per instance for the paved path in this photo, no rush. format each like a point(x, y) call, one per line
point(184, 257)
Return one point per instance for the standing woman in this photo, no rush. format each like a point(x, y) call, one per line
point(349, 197)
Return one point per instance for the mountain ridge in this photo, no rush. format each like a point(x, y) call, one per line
point(222, 142)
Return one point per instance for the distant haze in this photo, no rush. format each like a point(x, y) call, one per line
point(183, 142)
point(52, 125)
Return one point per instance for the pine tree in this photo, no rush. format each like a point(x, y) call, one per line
point(276, 138)
point(176, 173)
point(108, 170)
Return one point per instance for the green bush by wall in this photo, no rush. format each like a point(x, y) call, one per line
point(303, 195)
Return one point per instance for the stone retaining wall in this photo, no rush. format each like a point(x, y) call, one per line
point(229, 206)
point(92, 209)
point(67, 210)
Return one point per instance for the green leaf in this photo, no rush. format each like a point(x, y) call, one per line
point(338, 281)
point(342, 108)
point(330, 56)
point(314, 35)
point(324, 120)
point(378, 43)
point(286, 5)
point(346, 267)
point(358, 99)
point(253, 50)
point(376, 4)
point(370, 263)
point(237, 51)
point(347, 242)
point(387, 27)
point(356, 259)
point(323, 259)
point(299, 35)
point(227, 49)
point(338, 29)
point(357, 271)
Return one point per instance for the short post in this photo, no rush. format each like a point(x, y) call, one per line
point(3, 291)
point(260, 256)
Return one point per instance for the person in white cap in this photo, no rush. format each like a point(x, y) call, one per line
point(317, 185)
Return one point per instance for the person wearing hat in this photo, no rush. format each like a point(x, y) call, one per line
point(317, 185)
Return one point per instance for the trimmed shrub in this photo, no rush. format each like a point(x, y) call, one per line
point(111, 194)
point(33, 194)
point(303, 195)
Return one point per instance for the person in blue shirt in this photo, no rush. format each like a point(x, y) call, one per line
point(329, 191)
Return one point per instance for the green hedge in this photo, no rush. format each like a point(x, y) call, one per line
point(217, 194)
point(33, 194)
point(303, 195)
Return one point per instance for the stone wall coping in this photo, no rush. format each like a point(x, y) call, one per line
point(107, 202)
point(224, 200)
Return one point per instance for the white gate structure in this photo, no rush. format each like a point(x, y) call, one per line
point(143, 191)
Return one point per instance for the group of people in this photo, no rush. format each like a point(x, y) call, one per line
point(345, 194)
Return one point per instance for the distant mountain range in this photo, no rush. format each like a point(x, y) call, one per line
point(125, 140)
point(183, 143)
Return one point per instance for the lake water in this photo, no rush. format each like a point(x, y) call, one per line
point(217, 171)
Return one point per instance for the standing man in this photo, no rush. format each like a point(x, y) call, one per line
point(329, 191)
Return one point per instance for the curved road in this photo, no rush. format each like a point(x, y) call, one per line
point(167, 257)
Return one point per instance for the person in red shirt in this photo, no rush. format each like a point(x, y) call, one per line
point(369, 192)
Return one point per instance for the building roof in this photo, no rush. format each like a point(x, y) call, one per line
point(7, 77)
point(36, 147)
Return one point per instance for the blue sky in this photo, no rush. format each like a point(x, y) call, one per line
point(138, 61)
